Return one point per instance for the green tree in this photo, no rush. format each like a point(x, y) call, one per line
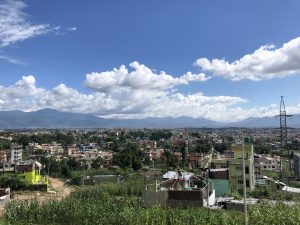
point(130, 157)
point(97, 163)
point(12, 180)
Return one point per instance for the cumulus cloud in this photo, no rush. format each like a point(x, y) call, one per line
point(129, 103)
point(267, 62)
point(141, 77)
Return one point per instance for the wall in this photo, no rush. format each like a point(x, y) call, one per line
point(4, 198)
point(151, 198)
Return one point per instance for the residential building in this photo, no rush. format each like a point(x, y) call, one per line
point(16, 153)
point(3, 156)
point(296, 160)
point(268, 162)
point(235, 166)
point(30, 172)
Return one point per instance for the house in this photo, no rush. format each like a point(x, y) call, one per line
point(268, 162)
point(220, 180)
point(235, 166)
point(180, 189)
point(30, 172)
point(195, 159)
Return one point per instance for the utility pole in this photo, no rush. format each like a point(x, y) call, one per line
point(244, 181)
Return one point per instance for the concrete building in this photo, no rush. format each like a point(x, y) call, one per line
point(235, 166)
point(3, 157)
point(16, 153)
point(268, 162)
point(30, 171)
point(296, 160)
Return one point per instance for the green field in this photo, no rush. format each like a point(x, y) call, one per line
point(114, 203)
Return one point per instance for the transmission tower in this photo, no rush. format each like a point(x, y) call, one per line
point(283, 133)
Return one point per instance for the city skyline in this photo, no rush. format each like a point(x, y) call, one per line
point(218, 61)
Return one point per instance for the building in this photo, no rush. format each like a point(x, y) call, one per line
point(3, 157)
point(30, 171)
point(235, 166)
point(268, 162)
point(16, 153)
point(296, 160)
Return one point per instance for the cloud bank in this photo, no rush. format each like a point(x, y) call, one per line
point(265, 63)
point(137, 92)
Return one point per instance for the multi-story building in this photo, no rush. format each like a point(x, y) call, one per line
point(16, 153)
point(268, 162)
point(3, 156)
point(296, 160)
point(235, 166)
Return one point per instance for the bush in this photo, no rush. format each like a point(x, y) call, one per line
point(12, 180)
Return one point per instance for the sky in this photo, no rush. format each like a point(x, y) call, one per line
point(219, 60)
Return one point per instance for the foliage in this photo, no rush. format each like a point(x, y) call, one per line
point(97, 163)
point(265, 213)
point(130, 157)
point(156, 135)
point(170, 159)
point(12, 180)
point(111, 204)
point(221, 147)
point(4, 144)
point(262, 149)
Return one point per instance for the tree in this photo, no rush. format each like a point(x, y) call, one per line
point(97, 163)
point(12, 180)
point(262, 149)
point(4, 144)
point(221, 147)
point(130, 157)
point(171, 159)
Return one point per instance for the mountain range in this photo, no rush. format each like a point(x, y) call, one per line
point(51, 119)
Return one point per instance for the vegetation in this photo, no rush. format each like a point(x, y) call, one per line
point(265, 213)
point(12, 181)
point(130, 157)
point(111, 204)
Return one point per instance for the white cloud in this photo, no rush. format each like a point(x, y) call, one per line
point(125, 102)
point(15, 25)
point(141, 77)
point(11, 59)
point(267, 62)
point(72, 28)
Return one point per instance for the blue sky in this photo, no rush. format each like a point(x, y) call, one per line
point(55, 54)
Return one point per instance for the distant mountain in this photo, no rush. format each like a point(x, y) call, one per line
point(270, 122)
point(50, 118)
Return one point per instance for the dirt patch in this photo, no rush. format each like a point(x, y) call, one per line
point(58, 190)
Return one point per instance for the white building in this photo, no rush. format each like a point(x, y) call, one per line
point(268, 162)
point(16, 153)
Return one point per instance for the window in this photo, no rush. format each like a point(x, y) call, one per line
point(247, 183)
point(239, 168)
point(247, 170)
point(240, 181)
